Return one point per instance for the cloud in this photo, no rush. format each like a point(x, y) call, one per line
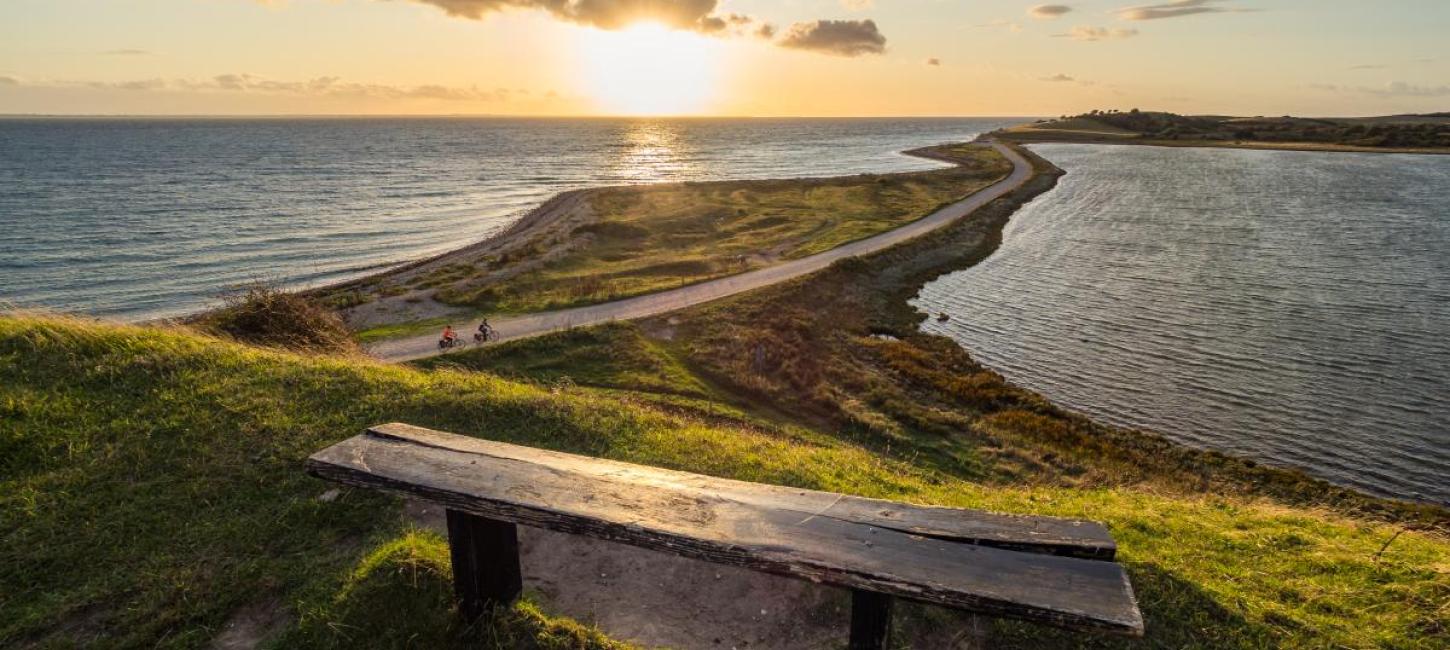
point(838, 37)
point(933, 61)
point(1391, 89)
point(1059, 78)
point(857, 5)
point(1002, 24)
point(1368, 66)
point(1178, 9)
point(604, 14)
point(141, 84)
point(1086, 33)
point(315, 87)
point(1048, 12)
point(127, 52)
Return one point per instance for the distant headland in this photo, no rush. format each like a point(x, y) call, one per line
point(1423, 133)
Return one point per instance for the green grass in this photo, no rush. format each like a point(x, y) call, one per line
point(152, 486)
point(396, 330)
point(649, 238)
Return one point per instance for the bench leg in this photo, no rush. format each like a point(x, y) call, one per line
point(485, 556)
point(870, 620)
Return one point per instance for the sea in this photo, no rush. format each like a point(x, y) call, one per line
point(145, 218)
point(1288, 307)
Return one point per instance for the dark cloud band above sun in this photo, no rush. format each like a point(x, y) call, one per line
point(838, 37)
point(698, 15)
point(1178, 9)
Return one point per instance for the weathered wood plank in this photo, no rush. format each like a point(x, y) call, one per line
point(673, 513)
point(870, 620)
point(1055, 535)
point(485, 556)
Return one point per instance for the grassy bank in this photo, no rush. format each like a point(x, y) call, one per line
point(152, 490)
point(625, 241)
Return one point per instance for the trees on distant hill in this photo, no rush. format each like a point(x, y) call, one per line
point(1411, 131)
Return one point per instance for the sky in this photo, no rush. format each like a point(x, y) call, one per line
point(723, 57)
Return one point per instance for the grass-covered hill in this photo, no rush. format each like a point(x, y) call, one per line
point(152, 488)
point(1391, 133)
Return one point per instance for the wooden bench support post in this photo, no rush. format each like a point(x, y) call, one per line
point(870, 620)
point(485, 556)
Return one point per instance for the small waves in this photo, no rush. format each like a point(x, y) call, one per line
point(1289, 307)
point(148, 218)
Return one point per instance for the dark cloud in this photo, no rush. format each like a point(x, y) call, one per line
point(1059, 78)
point(1048, 12)
point(933, 61)
point(1178, 8)
point(765, 30)
point(9, 81)
point(1086, 33)
point(838, 37)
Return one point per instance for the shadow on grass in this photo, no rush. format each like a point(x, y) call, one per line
point(1178, 614)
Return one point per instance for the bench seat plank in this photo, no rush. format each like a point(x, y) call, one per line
point(785, 531)
point(1054, 535)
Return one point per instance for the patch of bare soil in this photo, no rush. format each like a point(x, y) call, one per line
point(252, 626)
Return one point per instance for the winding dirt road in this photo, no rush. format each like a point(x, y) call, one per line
point(526, 325)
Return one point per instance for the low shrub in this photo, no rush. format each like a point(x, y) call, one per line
point(265, 315)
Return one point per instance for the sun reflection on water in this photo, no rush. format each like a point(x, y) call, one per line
point(653, 152)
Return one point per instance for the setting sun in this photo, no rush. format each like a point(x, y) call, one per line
point(649, 69)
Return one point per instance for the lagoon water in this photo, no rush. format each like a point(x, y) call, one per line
point(139, 218)
point(1289, 307)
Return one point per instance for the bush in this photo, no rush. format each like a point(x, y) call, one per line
point(265, 315)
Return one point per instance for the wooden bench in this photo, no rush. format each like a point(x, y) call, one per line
point(1041, 569)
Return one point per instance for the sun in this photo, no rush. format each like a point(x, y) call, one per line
point(649, 69)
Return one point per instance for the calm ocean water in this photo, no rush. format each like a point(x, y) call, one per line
point(1289, 307)
point(153, 217)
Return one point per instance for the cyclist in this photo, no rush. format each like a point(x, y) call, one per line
point(449, 336)
point(485, 332)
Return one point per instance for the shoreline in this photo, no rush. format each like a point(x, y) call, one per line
point(918, 261)
point(514, 326)
point(551, 225)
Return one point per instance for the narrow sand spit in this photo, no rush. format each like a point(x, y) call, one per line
point(527, 325)
point(552, 225)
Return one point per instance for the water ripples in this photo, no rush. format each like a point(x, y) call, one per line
point(141, 218)
point(1289, 307)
